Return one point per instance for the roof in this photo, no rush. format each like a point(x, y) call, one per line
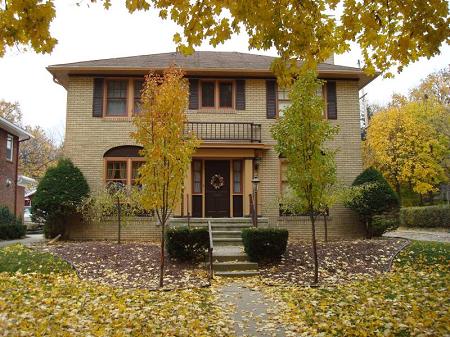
point(14, 129)
point(24, 180)
point(199, 63)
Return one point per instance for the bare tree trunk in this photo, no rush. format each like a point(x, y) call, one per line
point(326, 226)
point(161, 273)
point(314, 246)
point(119, 211)
point(399, 190)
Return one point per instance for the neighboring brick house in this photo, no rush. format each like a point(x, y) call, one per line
point(11, 194)
point(234, 101)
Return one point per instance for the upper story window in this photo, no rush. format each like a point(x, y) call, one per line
point(116, 97)
point(138, 85)
point(284, 100)
point(9, 147)
point(217, 94)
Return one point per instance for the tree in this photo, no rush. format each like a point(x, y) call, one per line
point(435, 86)
point(37, 154)
point(301, 136)
point(390, 33)
point(406, 144)
point(114, 200)
point(58, 196)
point(11, 112)
point(371, 195)
point(167, 150)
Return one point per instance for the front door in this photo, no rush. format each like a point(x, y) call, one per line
point(217, 188)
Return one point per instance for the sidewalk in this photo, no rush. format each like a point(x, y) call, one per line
point(29, 239)
point(420, 235)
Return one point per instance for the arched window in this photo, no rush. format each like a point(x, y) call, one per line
point(122, 164)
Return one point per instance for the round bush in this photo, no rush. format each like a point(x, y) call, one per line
point(57, 197)
point(264, 244)
point(10, 226)
point(187, 244)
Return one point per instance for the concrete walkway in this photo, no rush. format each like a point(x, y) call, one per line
point(29, 239)
point(420, 235)
point(252, 311)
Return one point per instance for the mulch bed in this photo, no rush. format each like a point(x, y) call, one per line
point(129, 265)
point(339, 262)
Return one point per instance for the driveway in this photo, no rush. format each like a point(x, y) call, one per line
point(420, 234)
point(29, 239)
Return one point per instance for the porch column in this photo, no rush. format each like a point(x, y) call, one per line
point(247, 184)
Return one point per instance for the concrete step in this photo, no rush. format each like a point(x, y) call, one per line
point(232, 266)
point(229, 253)
point(242, 273)
point(227, 241)
point(226, 234)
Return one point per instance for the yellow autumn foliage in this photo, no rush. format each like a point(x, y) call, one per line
point(409, 144)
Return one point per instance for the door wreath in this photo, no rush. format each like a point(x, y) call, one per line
point(217, 181)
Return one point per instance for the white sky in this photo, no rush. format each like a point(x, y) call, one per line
point(93, 33)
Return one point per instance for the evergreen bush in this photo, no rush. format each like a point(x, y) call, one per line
point(57, 197)
point(10, 226)
point(264, 244)
point(426, 216)
point(187, 244)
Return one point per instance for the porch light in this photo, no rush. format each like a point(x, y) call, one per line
point(255, 184)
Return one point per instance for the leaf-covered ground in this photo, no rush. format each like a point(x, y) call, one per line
point(412, 300)
point(340, 261)
point(131, 265)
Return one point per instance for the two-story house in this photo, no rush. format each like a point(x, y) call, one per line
point(234, 100)
point(11, 194)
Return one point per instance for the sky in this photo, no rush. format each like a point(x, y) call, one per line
point(93, 33)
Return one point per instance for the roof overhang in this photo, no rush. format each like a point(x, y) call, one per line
point(14, 130)
point(62, 73)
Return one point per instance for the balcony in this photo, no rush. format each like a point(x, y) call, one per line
point(225, 131)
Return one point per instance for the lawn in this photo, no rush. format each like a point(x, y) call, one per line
point(412, 300)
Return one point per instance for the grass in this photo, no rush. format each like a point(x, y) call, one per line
point(423, 254)
point(18, 258)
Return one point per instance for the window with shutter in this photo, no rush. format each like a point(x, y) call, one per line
point(193, 94)
point(240, 95)
point(97, 103)
point(271, 100)
point(331, 100)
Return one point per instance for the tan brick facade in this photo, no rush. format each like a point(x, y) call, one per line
point(88, 138)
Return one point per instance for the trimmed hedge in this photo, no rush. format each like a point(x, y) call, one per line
point(383, 223)
point(263, 244)
point(10, 227)
point(426, 216)
point(186, 244)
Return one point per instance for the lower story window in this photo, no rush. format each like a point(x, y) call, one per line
point(123, 171)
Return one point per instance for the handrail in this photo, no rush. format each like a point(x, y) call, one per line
point(210, 252)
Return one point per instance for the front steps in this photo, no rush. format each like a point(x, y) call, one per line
point(229, 258)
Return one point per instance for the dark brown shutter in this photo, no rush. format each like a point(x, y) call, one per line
point(193, 94)
point(240, 95)
point(271, 109)
point(331, 100)
point(97, 103)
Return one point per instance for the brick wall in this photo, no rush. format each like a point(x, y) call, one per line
point(7, 172)
point(88, 138)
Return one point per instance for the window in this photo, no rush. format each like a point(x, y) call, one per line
point(217, 94)
point(237, 176)
point(197, 176)
point(283, 101)
point(135, 165)
point(9, 147)
point(116, 171)
point(225, 94)
point(208, 94)
point(138, 85)
point(116, 97)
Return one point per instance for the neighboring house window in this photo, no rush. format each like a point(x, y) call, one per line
point(9, 147)
point(116, 97)
point(138, 85)
point(217, 94)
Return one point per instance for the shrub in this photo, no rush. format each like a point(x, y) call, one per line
point(427, 216)
point(383, 223)
point(371, 195)
point(10, 226)
point(262, 244)
point(57, 197)
point(185, 243)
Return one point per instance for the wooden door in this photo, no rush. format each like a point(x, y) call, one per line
point(217, 188)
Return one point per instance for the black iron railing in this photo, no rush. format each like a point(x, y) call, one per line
point(225, 131)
